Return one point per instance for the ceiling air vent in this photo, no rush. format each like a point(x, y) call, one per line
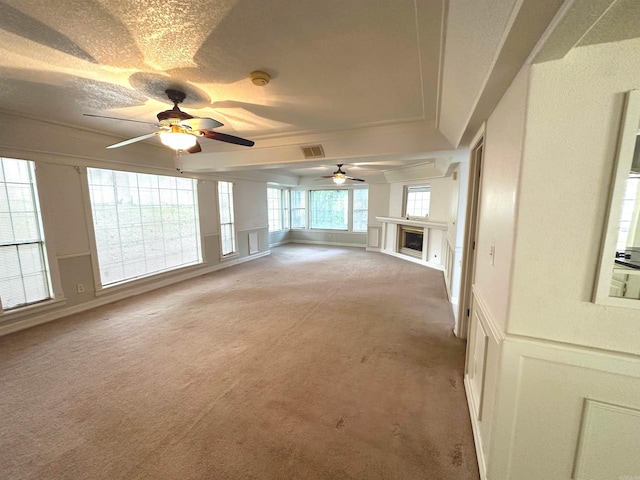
point(313, 151)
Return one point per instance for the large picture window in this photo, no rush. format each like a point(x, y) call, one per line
point(143, 223)
point(329, 209)
point(227, 229)
point(24, 278)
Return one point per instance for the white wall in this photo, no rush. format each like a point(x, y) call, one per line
point(444, 191)
point(572, 130)
point(553, 380)
point(498, 197)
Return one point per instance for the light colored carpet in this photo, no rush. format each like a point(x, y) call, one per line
point(311, 363)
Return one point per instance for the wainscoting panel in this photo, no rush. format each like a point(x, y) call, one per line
point(607, 433)
point(374, 234)
point(481, 376)
point(253, 243)
point(565, 412)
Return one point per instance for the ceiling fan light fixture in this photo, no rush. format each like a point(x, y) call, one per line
point(177, 139)
point(338, 180)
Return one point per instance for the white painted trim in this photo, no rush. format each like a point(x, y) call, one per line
point(475, 427)
point(251, 229)
point(125, 293)
point(65, 256)
point(414, 223)
point(493, 328)
point(14, 314)
point(337, 244)
point(515, 352)
point(277, 244)
point(373, 249)
point(623, 160)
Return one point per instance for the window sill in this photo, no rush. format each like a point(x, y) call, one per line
point(33, 309)
point(127, 284)
point(228, 256)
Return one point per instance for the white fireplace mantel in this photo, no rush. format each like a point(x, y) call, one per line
point(434, 243)
point(413, 223)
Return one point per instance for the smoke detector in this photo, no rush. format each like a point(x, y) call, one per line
point(259, 78)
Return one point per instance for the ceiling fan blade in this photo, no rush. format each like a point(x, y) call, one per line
point(202, 123)
point(195, 149)
point(327, 176)
point(155, 124)
point(224, 137)
point(356, 179)
point(132, 140)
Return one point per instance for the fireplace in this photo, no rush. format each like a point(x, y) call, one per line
point(411, 240)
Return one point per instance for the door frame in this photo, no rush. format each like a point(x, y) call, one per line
point(476, 156)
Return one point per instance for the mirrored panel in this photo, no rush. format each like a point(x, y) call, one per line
point(625, 281)
point(619, 276)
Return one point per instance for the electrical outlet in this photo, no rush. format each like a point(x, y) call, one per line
point(80, 288)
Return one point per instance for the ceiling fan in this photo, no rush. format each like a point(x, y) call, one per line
point(339, 176)
point(179, 130)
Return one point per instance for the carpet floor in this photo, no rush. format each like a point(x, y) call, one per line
point(311, 363)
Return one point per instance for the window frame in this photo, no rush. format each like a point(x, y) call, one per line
point(353, 210)
point(304, 208)
point(90, 214)
point(347, 210)
point(45, 258)
point(283, 204)
point(405, 201)
point(231, 205)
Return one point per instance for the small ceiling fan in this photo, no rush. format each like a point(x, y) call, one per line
point(179, 130)
point(339, 176)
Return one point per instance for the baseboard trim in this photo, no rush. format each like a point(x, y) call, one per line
point(104, 299)
point(337, 244)
point(277, 244)
point(373, 249)
point(475, 427)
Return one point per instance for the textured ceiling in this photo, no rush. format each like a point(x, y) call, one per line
point(335, 65)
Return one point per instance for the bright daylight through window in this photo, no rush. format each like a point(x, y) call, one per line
point(418, 200)
point(143, 223)
point(360, 209)
point(227, 229)
point(329, 209)
point(298, 209)
point(24, 278)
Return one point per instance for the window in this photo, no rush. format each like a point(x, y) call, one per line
point(329, 209)
point(24, 277)
point(143, 224)
point(298, 209)
point(360, 209)
point(417, 201)
point(225, 204)
point(274, 208)
point(286, 213)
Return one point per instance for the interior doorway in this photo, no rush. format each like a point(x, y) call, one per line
point(471, 233)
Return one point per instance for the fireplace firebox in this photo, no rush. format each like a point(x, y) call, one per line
point(411, 241)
